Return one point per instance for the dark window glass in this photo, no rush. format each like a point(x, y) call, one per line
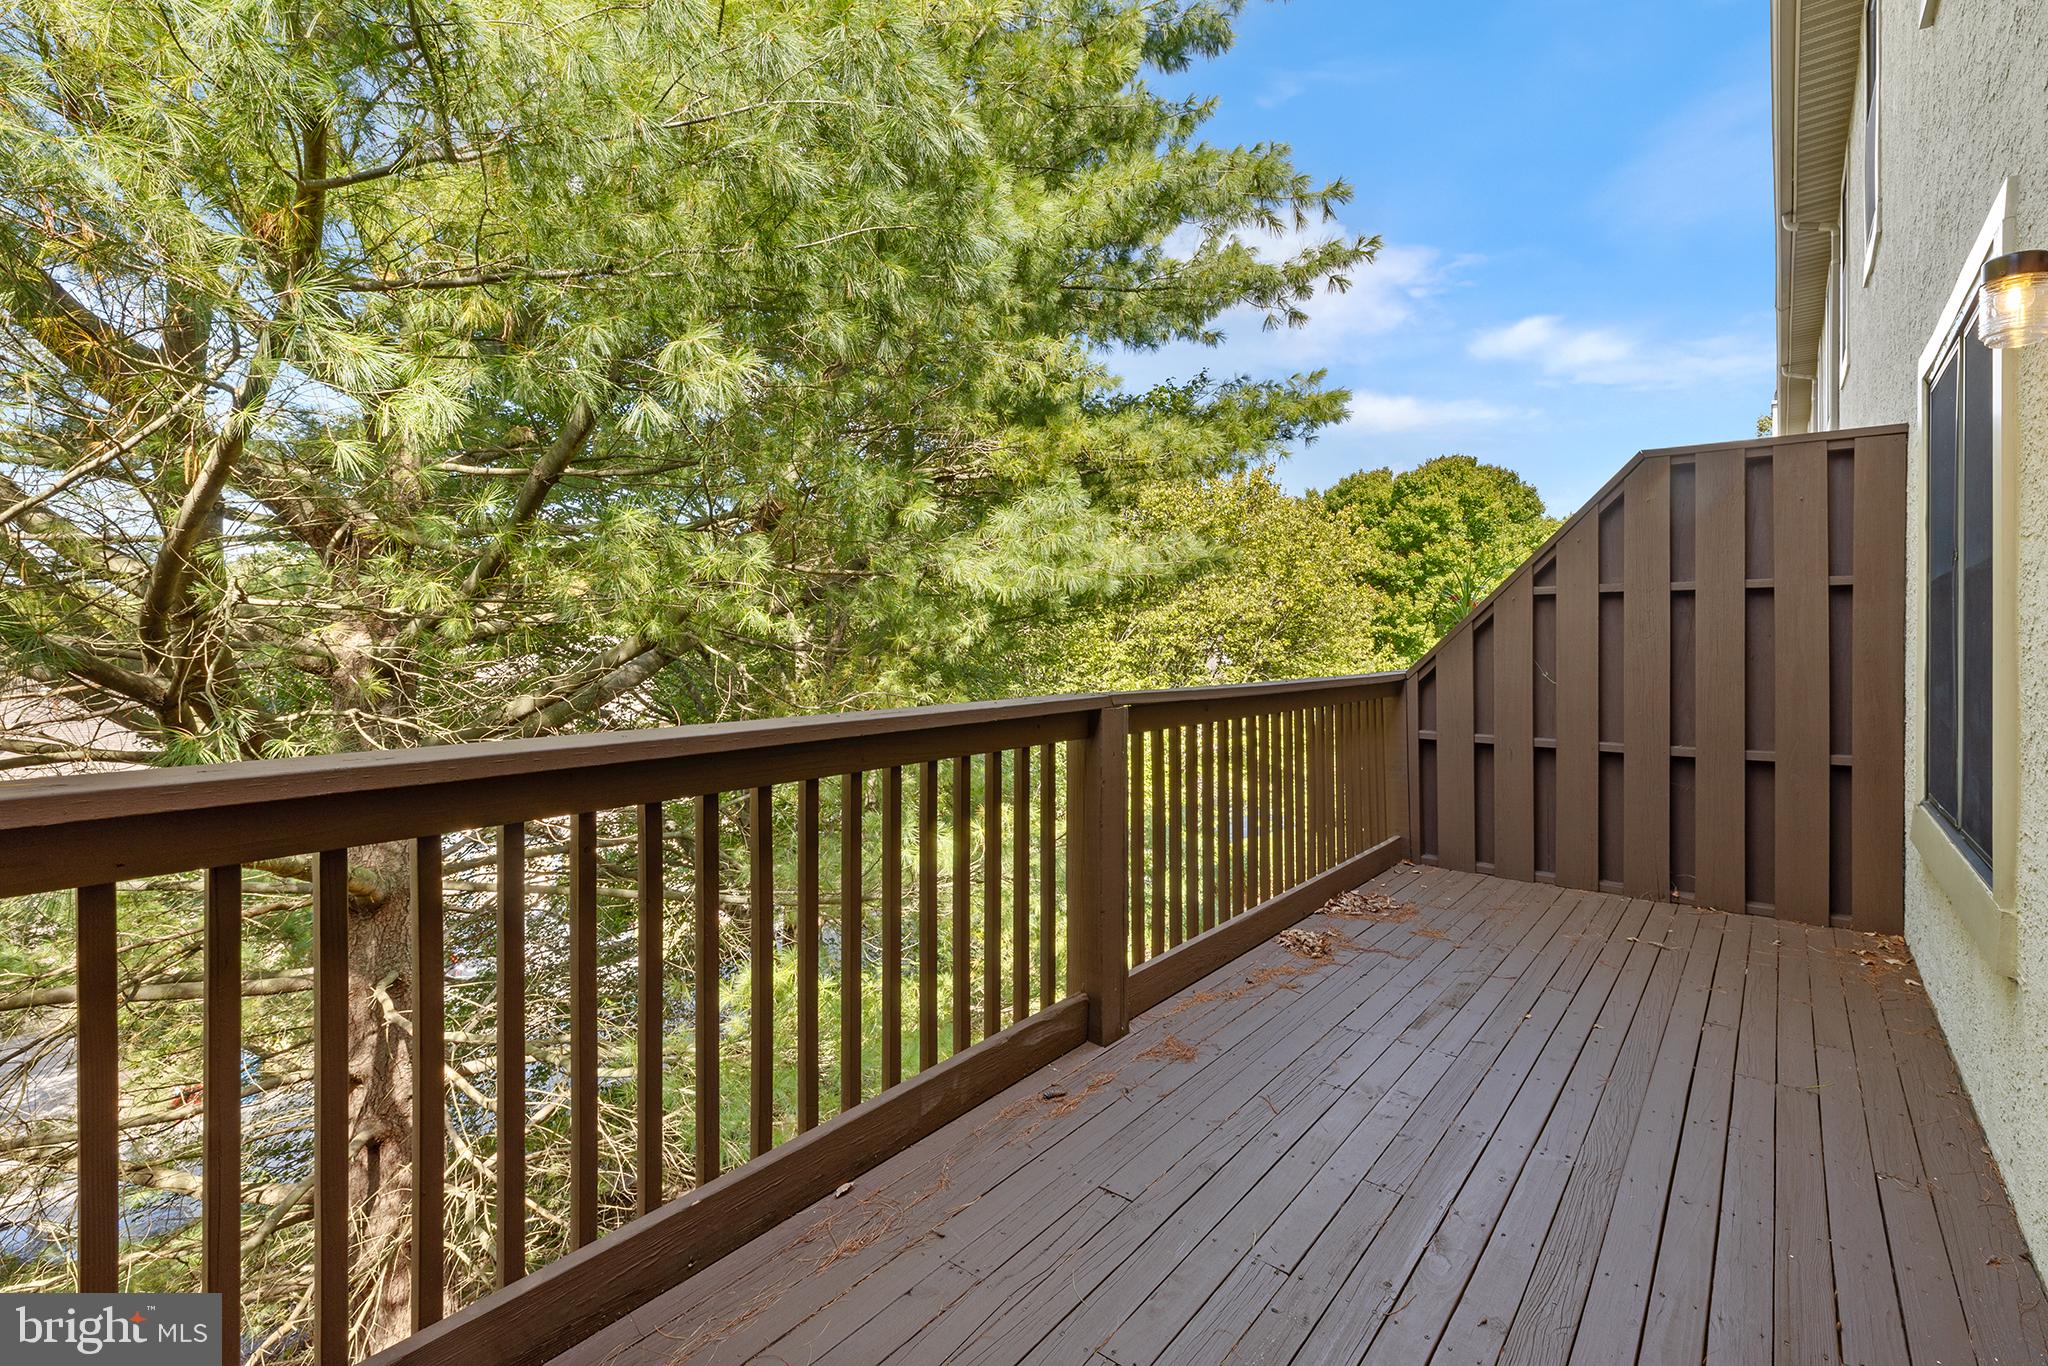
point(1960, 448)
point(1941, 588)
point(1975, 556)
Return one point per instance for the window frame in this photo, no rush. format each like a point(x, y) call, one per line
point(1842, 291)
point(1986, 906)
point(1873, 133)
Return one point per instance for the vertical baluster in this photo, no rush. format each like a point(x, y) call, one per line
point(1233, 843)
point(1242, 775)
point(807, 969)
point(707, 882)
point(1285, 797)
point(761, 970)
point(992, 894)
point(892, 926)
point(1311, 773)
point(1226, 889)
point(1328, 783)
point(1295, 801)
point(1340, 788)
point(429, 1084)
point(1347, 778)
point(1310, 831)
point(1020, 883)
point(928, 914)
point(1156, 801)
point(1048, 862)
point(1176, 816)
point(1333, 782)
point(220, 1205)
point(851, 787)
point(583, 1029)
point(99, 1093)
point(1134, 842)
point(1206, 800)
point(649, 1183)
point(330, 1108)
point(963, 980)
point(509, 1122)
point(1261, 814)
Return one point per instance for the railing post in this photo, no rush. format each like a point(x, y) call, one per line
point(1100, 955)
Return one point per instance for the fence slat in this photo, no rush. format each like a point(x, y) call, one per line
point(99, 1093)
point(706, 881)
point(649, 1180)
point(220, 1204)
point(330, 1108)
point(509, 1122)
point(761, 970)
point(429, 1085)
point(583, 1029)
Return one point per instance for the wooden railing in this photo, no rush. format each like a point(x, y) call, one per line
point(979, 888)
point(1695, 690)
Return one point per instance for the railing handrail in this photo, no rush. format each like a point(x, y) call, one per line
point(64, 832)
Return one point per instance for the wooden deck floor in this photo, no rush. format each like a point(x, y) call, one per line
point(1519, 1124)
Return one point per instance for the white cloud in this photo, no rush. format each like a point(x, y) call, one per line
point(1379, 414)
point(1386, 296)
point(1608, 356)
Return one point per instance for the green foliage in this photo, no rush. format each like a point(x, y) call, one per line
point(1442, 535)
point(377, 381)
point(1262, 585)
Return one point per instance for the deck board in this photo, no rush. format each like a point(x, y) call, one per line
point(1527, 1123)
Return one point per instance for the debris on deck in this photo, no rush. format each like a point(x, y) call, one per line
point(1364, 905)
point(1307, 943)
point(1170, 1049)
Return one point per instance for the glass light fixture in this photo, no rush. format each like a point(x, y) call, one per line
point(2012, 300)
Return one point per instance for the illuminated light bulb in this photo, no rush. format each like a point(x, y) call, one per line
point(2012, 300)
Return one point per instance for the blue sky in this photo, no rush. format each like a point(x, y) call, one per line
point(1575, 201)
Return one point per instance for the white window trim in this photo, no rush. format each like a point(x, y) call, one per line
point(1873, 131)
point(1988, 913)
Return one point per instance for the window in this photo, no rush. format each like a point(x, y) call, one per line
point(1964, 617)
point(1961, 440)
point(1842, 286)
point(1870, 134)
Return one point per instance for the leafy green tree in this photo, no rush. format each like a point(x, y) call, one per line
point(1442, 535)
point(376, 378)
point(1267, 587)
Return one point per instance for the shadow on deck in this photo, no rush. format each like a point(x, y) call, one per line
point(1503, 1121)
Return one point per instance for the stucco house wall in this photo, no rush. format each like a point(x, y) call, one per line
point(1963, 106)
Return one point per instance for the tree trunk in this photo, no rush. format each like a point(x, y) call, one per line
point(380, 1095)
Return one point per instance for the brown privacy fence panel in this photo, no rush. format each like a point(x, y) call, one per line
point(665, 988)
point(1693, 691)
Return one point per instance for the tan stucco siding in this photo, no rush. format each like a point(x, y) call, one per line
point(1964, 106)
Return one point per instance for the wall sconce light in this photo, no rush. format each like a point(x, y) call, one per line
point(2012, 300)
